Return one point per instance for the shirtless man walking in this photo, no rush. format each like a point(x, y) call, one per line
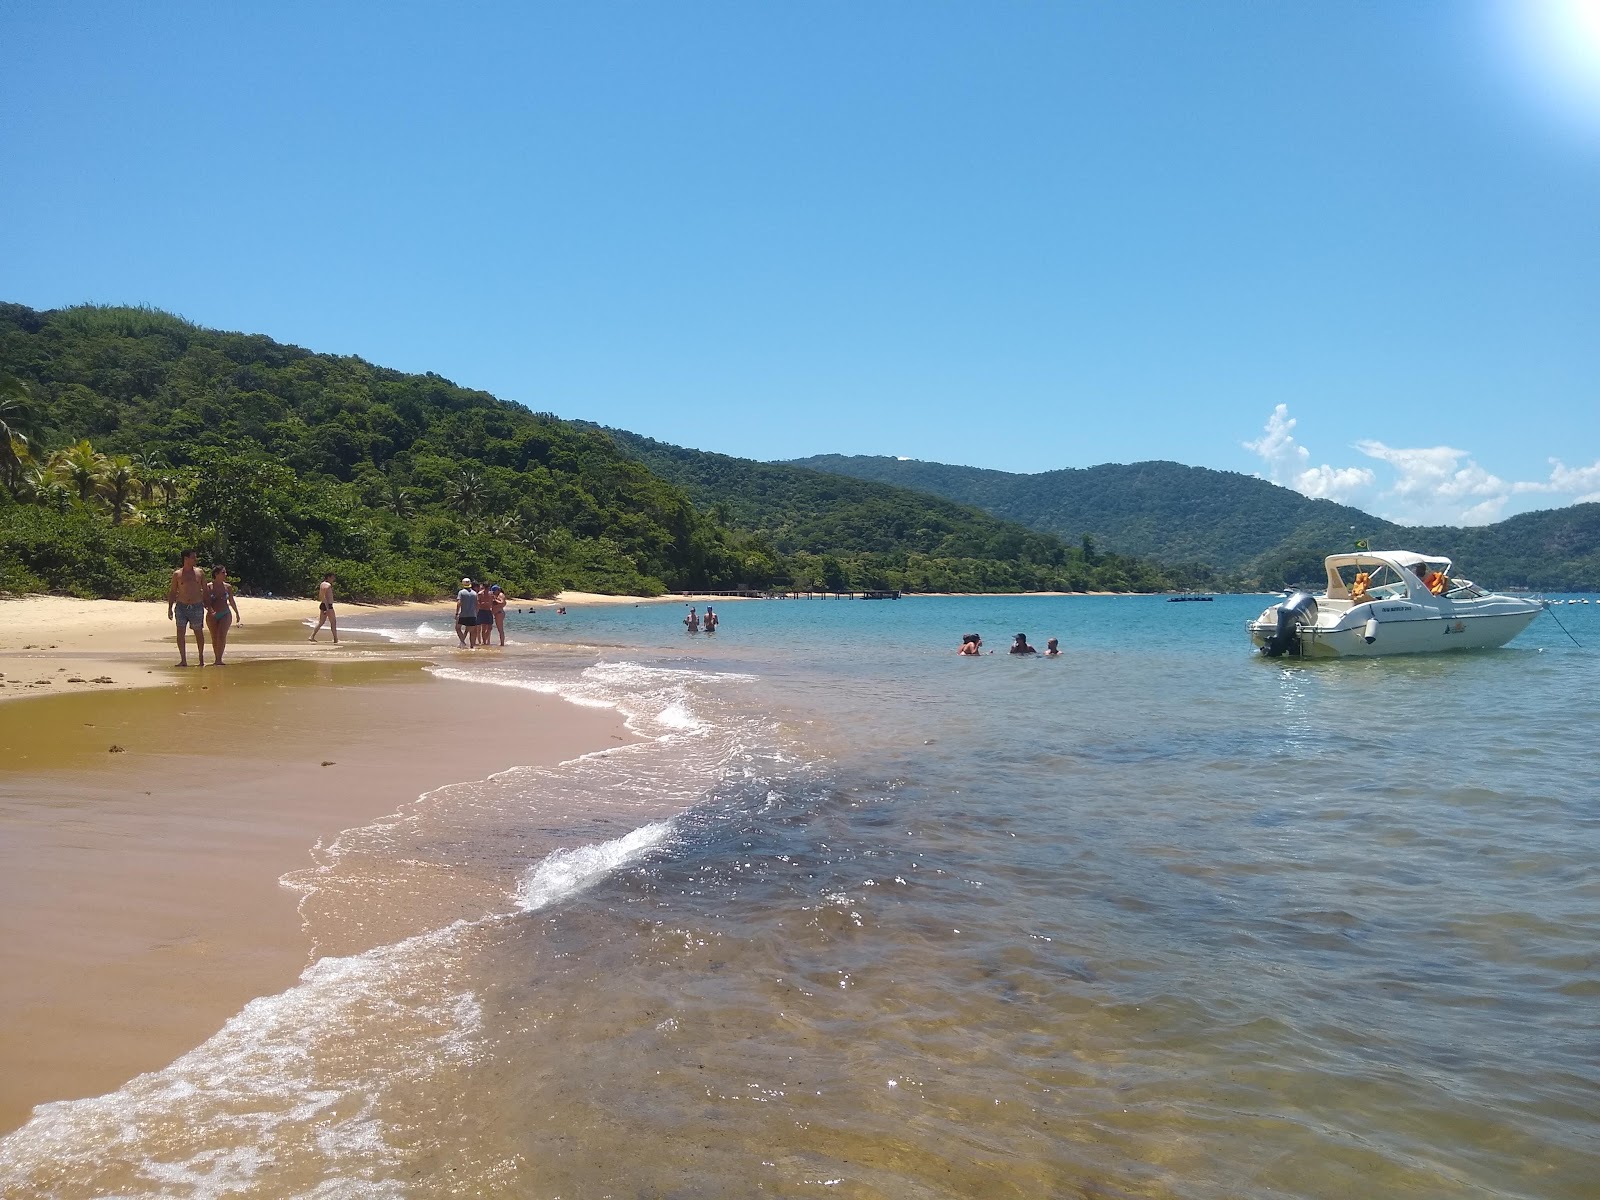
point(186, 599)
point(325, 609)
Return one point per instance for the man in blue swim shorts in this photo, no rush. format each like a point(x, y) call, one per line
point(186, 602)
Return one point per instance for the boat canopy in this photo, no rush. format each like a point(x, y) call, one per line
point(1367, 560)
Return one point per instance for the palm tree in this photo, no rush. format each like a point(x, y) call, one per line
point(400, 502)
point(81, 466)
point(38, 485)
point(16, 416)
point(118, 481)
point(464, 493)
point(149, 468)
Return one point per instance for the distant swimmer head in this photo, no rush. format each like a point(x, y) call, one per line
point(1052, 644)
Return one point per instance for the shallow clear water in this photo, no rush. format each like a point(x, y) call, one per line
point(1157, 918)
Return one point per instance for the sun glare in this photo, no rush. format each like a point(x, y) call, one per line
point(1557, 43)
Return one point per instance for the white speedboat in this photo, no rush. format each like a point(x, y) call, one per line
point(1380, 602)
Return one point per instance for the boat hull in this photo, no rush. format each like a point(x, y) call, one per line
point(1420, 633)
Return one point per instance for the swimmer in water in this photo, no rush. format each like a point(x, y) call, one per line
point(1052, 649)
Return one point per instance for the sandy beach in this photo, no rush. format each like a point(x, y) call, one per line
point(143, 833)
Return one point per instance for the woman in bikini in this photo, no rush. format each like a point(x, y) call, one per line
point(218, 599)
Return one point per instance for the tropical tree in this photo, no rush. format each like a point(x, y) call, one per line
point(119, 480)
point(16, 417)
point(464, 493)
point(150, 468)
point(81, 467)
point(400, 501)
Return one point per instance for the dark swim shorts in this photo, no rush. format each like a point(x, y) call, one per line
point(485, 617)
point(192, 615)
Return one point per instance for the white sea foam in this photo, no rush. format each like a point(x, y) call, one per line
point(320, 1076)
point(302, 1076)
point(565, 872)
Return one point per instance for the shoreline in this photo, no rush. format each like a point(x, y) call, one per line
point(142, 896)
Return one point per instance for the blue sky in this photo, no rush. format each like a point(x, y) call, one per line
point(1352, 247)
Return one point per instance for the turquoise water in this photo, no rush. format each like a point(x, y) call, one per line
point(1156, 918)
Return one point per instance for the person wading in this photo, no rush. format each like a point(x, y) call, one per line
point(218, 600)
point(325, 609)
point(186, 601)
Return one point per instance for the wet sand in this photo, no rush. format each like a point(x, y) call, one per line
point(139, 898)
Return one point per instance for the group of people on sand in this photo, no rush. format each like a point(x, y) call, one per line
point(972, 645)
point(199, 604)
point(480, 613)
point(694, 624)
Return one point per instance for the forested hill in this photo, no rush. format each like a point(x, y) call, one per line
point(881, 535)
point(1239, 524)
point(137, 431)
point(128, 433)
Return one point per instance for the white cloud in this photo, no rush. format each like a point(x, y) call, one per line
point(1286, 463)
point(1428, 485)
point(1566, 479)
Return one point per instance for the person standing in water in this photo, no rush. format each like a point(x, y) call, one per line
point(467, 615)
point(711, 620)
point(692, 621)
point(218, 600)
point(1052, 649)
point(485, 613)
point(325, 609)
point(186, 601)
point(497, 605)
point(1020, 645)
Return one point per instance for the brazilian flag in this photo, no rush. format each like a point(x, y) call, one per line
point(1362, 545)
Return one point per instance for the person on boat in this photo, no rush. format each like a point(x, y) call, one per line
point(1020, 645)
point(1052, 649)
point(1359, 593)
point(971, 645)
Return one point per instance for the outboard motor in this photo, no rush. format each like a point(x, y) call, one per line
point(1299, 609)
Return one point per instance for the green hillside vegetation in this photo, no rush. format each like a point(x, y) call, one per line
point(840, 532)
point(130, 432)
point(1269, 535)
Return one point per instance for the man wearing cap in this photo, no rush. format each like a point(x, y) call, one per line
point(467, 614)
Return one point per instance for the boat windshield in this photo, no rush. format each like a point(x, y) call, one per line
point(1383, 581)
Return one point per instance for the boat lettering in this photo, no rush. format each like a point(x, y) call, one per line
point(1396, 608)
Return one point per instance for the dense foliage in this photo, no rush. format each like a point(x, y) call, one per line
point(126, 433)
point(286, 464)
point(841, 532)
point(1269, 535)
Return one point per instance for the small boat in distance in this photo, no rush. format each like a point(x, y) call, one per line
point(1380, 602)
point(1185, 599)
